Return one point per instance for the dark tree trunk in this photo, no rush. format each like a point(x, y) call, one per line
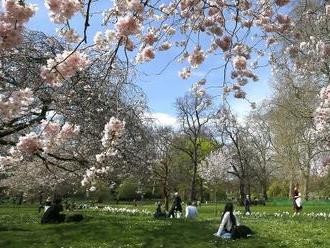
point(40, 197)
point(193, 183)
point(20, 199)
point(201, 191)
point(242, 191)
point(306, 187)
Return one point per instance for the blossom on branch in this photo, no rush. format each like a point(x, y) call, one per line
point(64, 66)
point(12, 22)
point(16, 104)
point(60, 11)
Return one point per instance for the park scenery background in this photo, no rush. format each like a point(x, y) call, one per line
point(112, 106)
point(130, 226)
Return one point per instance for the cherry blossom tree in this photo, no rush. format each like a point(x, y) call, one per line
point(37, 120)
point(213, 169)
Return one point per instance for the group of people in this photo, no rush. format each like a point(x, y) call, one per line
point(176, 209)
point(230, 227)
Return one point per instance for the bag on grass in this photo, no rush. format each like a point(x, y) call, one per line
point(74, 218)
point(242, 231)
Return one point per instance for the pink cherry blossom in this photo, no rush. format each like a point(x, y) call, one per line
point(29, 144)
point(61, 11)
point(63, 67)
point(197, 57)
point(239, 62)
point(127, 25)
point(16, 103)
point(185, 73)
point(282, 2)
point(12, 22)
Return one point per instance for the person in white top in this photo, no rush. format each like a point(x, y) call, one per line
point(228, 221)
point(191, 211)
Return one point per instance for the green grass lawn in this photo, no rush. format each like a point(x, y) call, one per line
point(19, 227)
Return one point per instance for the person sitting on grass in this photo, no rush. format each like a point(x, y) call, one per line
point(191, 210)
point(228, 222)
point(52, 214)
point(46, 205)
point(159, 213)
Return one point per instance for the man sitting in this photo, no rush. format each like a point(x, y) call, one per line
point(52, 214)
point(159, 213)
point(191, 210)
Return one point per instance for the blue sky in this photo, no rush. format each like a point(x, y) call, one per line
point(162, 90)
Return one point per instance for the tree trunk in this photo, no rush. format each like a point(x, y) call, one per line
point(153, 189)
point(40, 197)
point(264, 191)
point(201, 191)
point(166, 196)
point(306, 187)
point(242, 190)
point(165, 188)
point(290, 188)
point(193, 183)
point(20, 199)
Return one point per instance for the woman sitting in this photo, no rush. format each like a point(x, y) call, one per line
point(228, 222)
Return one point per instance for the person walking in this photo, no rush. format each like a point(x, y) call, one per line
point(247, 204)
point(176, 209)
point(297, 202)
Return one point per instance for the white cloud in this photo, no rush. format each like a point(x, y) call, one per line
point(163, 119)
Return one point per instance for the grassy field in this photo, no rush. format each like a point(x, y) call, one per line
point(274, 226)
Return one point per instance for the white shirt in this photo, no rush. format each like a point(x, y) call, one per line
point(298, 200)
point(191, 212)
point(226, 223)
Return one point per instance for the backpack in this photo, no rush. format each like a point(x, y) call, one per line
point(242, 231)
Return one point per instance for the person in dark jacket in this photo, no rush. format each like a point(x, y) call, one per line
point(247, 204)
point(176, 209)
point(46, 205)
point(159, 213)
point(52, 214)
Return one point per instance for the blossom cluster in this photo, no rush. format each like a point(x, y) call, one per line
point(12, 22)
point(202, 99)
point(64, 66)
point(213, 167)
point(52, 135)
point(16, 104)
point(113, 130)
point(60, 11)
point(322, 113)
point(92, 174)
